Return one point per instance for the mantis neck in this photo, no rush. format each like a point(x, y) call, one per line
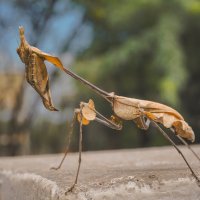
point(99, 91)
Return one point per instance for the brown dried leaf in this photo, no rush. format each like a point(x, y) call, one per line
point(36, 72)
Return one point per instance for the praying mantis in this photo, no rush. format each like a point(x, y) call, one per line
point(141, 112)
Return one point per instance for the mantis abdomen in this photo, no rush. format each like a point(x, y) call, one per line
point(132, 109)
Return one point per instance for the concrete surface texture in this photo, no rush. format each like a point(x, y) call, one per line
point(150, 174)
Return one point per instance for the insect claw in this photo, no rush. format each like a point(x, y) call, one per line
point(54, 168)
point(198, 182)
point(70, 189)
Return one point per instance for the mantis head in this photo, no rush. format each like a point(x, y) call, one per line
point(21, 30)
point(22, 46)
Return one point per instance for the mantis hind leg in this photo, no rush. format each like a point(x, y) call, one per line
point(179, 151)
point(188, 146)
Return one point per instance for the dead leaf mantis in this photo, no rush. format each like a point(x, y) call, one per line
point(35, 70)
point(141, 112)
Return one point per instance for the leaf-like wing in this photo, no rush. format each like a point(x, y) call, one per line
point(180, 127)
point(168, 120)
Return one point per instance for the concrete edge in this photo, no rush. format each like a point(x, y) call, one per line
point(130, 187)
point(28, 186)
point(23, 186)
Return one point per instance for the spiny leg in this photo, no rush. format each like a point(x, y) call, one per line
point(79, 160)
point(68, 142)
point(106, 122)
point(179, 151)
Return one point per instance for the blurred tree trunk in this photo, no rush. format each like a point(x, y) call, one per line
point(18, 132)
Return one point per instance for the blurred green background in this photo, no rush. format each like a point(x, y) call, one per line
point(146, 49)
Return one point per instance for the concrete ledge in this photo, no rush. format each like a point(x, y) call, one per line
point(27, 186)
point(152, 173)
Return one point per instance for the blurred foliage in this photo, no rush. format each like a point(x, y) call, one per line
point(8, 94)
point(139, 48)
point(142, 49)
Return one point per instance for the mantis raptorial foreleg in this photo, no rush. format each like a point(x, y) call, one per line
point(179, 151)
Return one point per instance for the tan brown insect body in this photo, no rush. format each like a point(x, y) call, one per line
point(132, 109)
point(141, 112)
